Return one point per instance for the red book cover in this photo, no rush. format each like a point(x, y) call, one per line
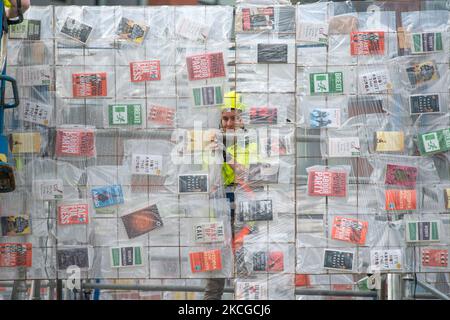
point(349, 230)
point(275, 261)
point(327, 183)
point(434, 257)
point(401, 175)
point(205, 66)
point(161, 115)
point(15, 254)
point(366, 43)
point(89, 84)
point(73, 214)
point(145, 71)
point(400, 199)
point(302, 280)
point(75, 142)
point(203, 261)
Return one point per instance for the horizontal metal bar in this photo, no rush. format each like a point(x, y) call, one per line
point(140, 287)
point(343, 293)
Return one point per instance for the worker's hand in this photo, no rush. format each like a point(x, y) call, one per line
point(12, 12)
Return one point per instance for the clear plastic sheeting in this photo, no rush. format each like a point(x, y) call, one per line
point(283, 147)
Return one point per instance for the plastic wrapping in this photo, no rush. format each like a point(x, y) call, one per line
point(120, 149)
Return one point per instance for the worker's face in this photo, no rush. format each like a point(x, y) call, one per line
point(231, 120)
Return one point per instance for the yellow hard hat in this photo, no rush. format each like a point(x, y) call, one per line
point(7, 4)
point(232, 100)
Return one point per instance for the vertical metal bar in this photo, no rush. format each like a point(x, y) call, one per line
point(59, 288)
point(381, 293)
point(35, 292)
point(408, 284)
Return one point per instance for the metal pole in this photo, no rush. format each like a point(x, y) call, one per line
point(433, 290)
point(408, 287)
point(59, 289)
point(394, 286)
point(35, 292)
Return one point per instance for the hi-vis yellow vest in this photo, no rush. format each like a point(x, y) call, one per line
point(242, 156)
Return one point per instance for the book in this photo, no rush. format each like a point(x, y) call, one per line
point(364, 105)
point(338, 260)
point(389, 141)
point(37, 113)
point(400, 200)
point(124, 114)
point(302, 280)
point(422, 231)
point(424, 103)
point(403, 176)
point(75, 142)
point(107, 196)
point(48, 189)
point(25, 142)
point(324, 83)
point(349, 230)
point(15, 226)
point(255, 19)
point(263, 115)
point(251, 290)
point(131, 31)
point(434, 142)
point(141, 71)
point(255, 210)
point(386, 260)
point(447, 198)
point(426, 42)
point(208, 232)
point(421, 73)
point(191, 29)
point(374, 82)
point(72, 257)
point(30, 76)
point(434, 257)
point(16, 254)
point(344, 147)
point(271, 261)
point(205, 261)
point(205, 66)
point(263, 172)
point(126, 256)
point(27, 30)
point(211, 95)
point(363, 43)
point(70, 214)
point(142, 221)
point(161, 115)
point(327, 183)
point(325, 118)
point(193, 183)
point(312, 32)
point(76, 30)
point(272, 53)
point(146, 164)
point(89, 84)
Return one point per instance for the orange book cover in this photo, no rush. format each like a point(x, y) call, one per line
point(349, 230)
point(401, 199)
point(302, 280)
point(203, 261)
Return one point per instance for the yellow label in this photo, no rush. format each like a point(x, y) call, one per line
point(26, 142)
point(447, 198)
point(390, 141)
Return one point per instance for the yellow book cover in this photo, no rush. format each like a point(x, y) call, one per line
point(25, 142)
point(389, 141)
